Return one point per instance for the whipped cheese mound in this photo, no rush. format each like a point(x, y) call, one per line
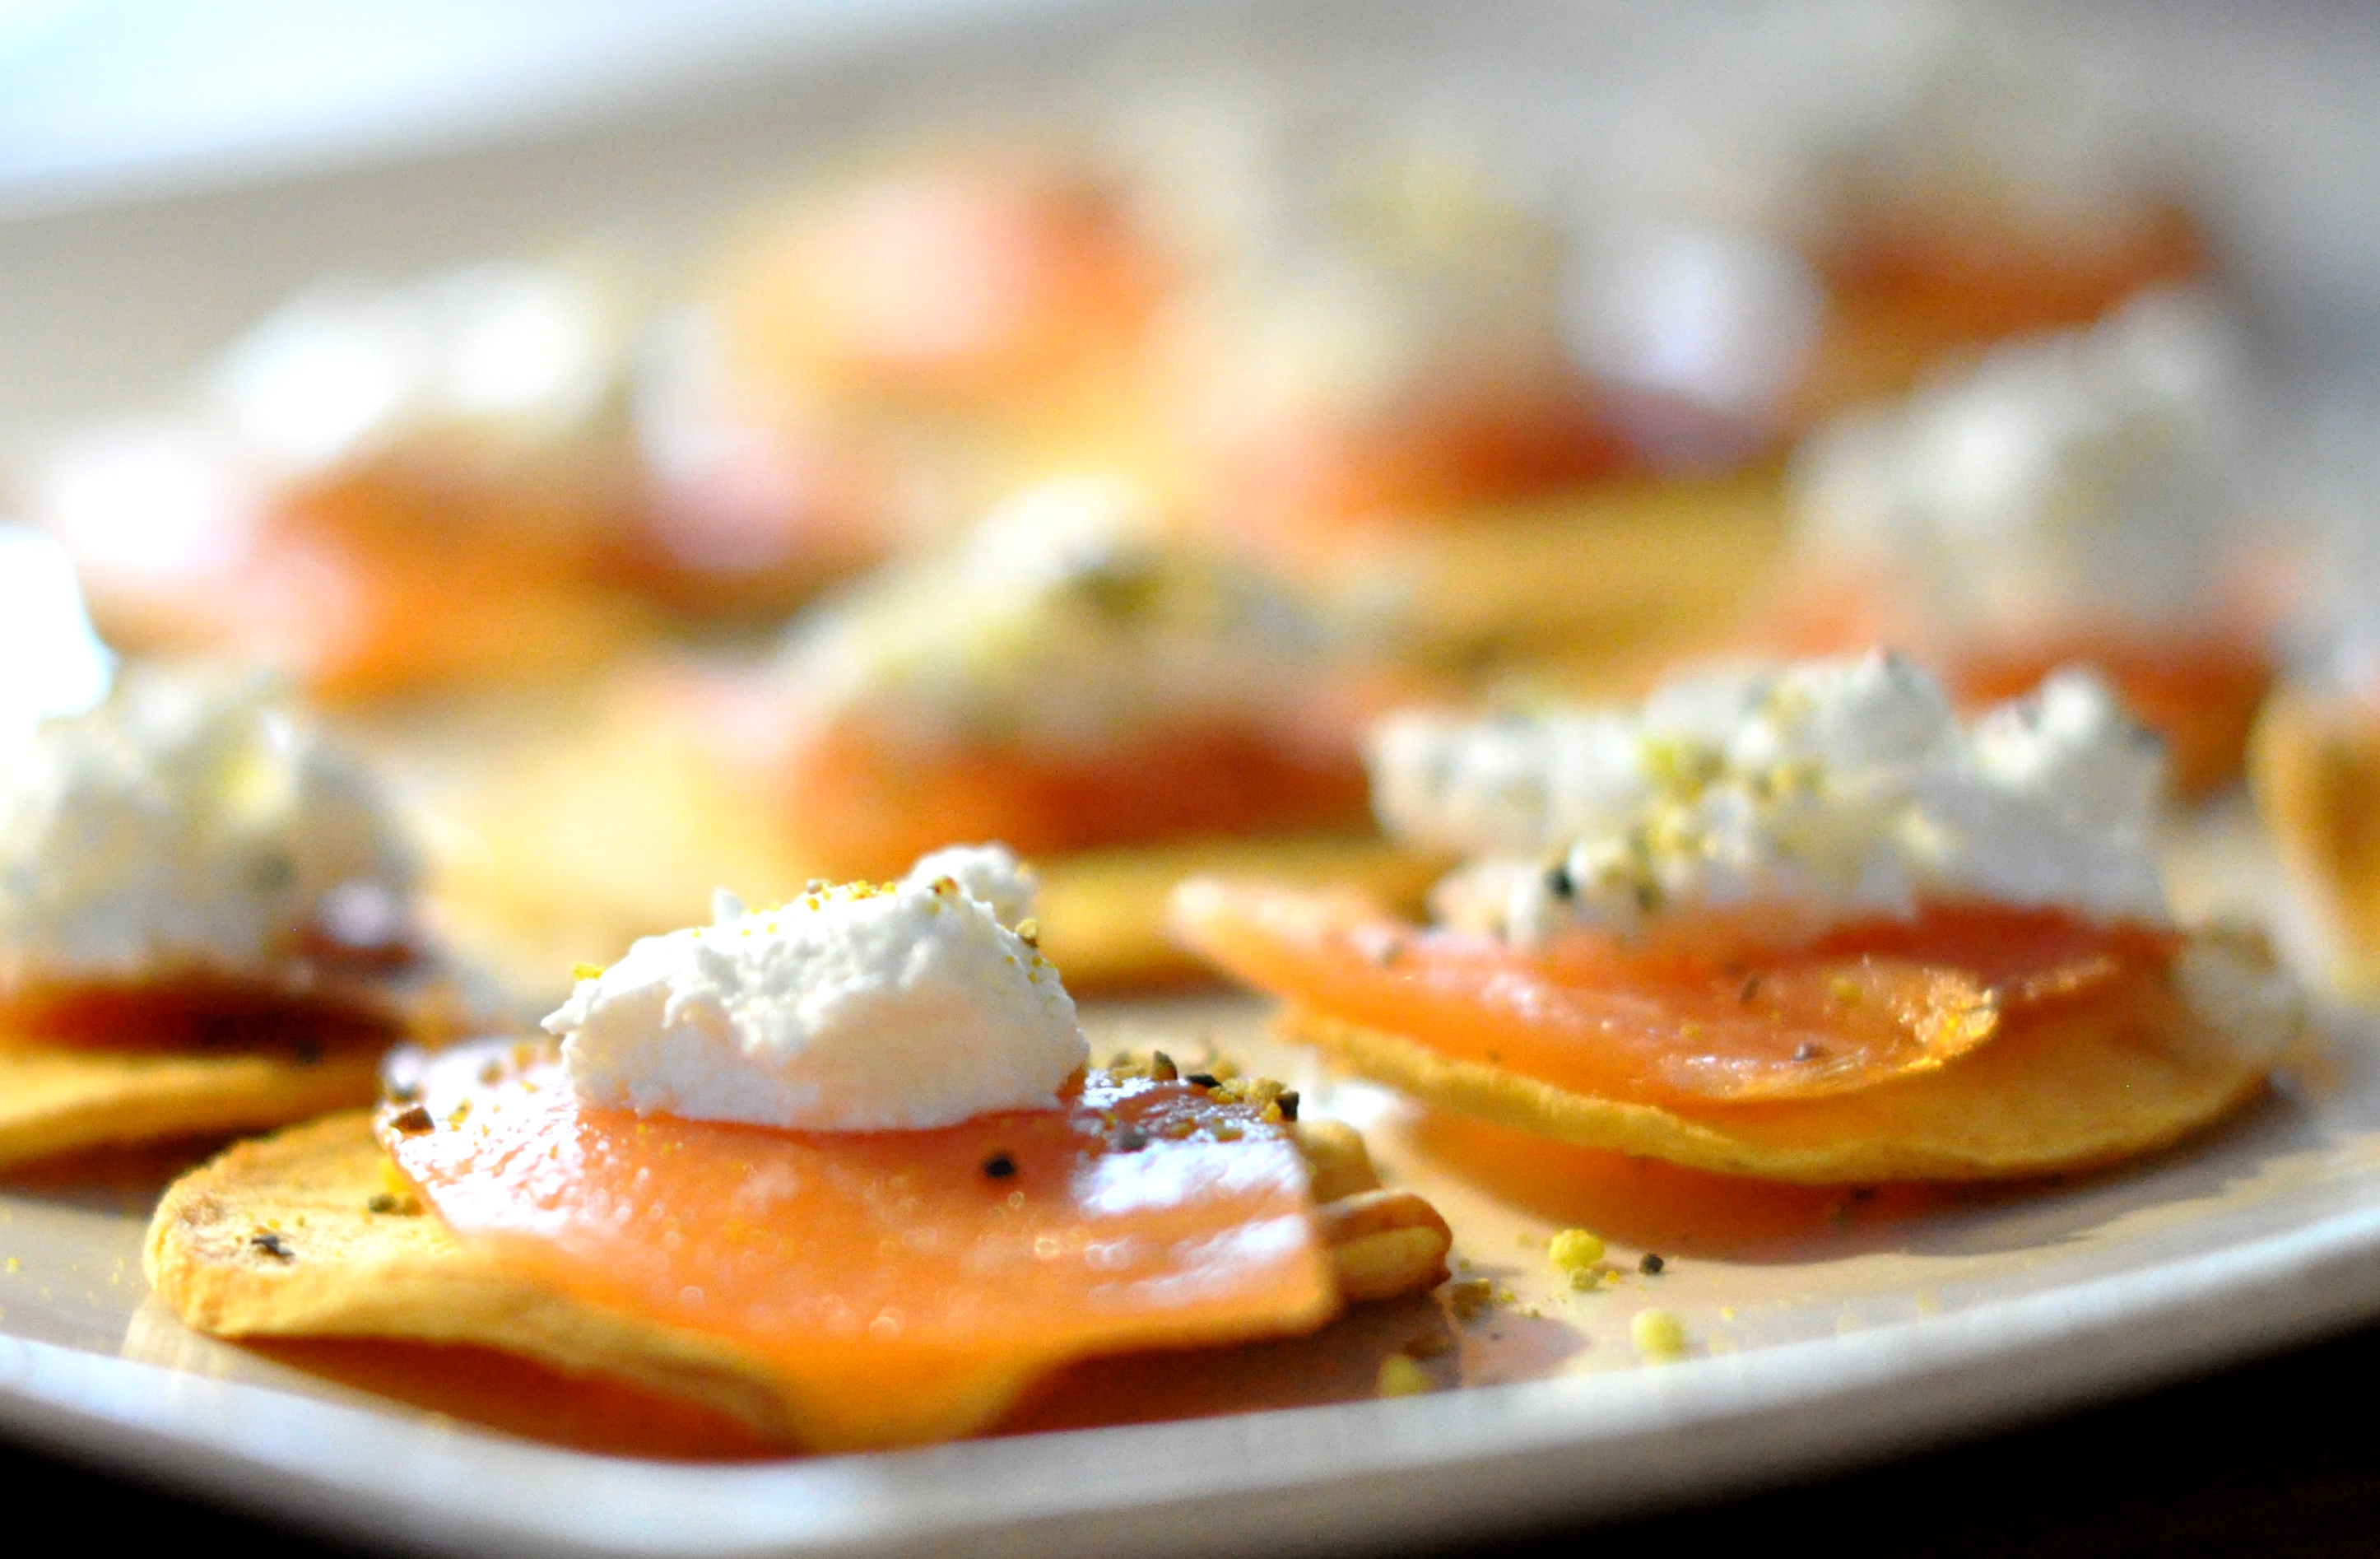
point(1065, 619)
point(2090, 472)
point(191, 825)
point(1829, 790)
point(860, 1007)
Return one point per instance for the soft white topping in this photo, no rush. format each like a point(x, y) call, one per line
point(1343, 261)
point(51, 661)
point(191, 825)
point(2090, 471)
point(853, 1008)
point(489, 360)
point(1827, 790)
point(1064, 619)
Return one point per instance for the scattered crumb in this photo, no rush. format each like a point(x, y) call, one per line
point(1659, 1335)
point(1470, 1297)
point(1574, 1251)
point(1651, 1265)
point(1400, 1376)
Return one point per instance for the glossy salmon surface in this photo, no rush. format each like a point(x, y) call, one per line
point(1682, 1021)
point(892, 1287)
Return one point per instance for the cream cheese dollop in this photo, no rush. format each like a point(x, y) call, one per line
point(1827, 790)
point(1066, 619)
point(2090, 472)
point(860, 1007)
point(192, 824)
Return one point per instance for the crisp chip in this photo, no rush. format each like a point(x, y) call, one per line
point(1103, 912)
point(303, 1234)
point(2067, 1092)
point(278, 1238)
point(56, 1100)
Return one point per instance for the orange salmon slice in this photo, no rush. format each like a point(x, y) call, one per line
point(892, 1287)
point(1673, 1023)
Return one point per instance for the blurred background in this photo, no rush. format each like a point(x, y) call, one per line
point(821, 430)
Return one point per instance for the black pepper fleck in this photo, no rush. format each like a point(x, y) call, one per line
point(1204, 1079)
point(1000, 1166)
point(1807, 1050)
point(1651, 1265)
point(1558, 881)
point(1750, 989)
point(1131, 1141)
point(1287, 1104)
point(413, 1122)
point(1161, 1067)
point(381, 1202)
point(272, 1245)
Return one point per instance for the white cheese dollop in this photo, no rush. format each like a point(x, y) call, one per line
point(2091, 473)
point(190, 824)
point(1831, 790)
point(853, 1008)
point(1065, 619)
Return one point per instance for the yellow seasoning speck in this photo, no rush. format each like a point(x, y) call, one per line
point(585, 971)
point(14, 1265)
point(1400, 1376)
point(1574, 1251)
point(1659, 1335)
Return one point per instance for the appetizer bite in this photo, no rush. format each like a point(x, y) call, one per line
point(1972, 184)
point(887, 356)
point(1375, 362)
point(2071, 499)
point(206, 922)
point(839, 1169)
point(379, 488)
point(1120, 706)
point(1801, 925)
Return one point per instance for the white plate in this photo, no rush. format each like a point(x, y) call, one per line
point(1843, 1343)
point(1837, 1342)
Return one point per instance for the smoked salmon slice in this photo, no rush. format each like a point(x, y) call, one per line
point(894, 1287)
point(1672, 1023)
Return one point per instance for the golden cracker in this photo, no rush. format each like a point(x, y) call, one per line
point(311, 1233)
point(55, 1100)
point(1603, 566)
point(1103, 912)
point(279, 1237)
point(2059, 1094)
point(2314, 764)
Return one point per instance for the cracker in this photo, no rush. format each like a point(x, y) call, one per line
point(2066, 1092)
point(278, 1238)
point(55, 1100)
point(311, 1234)
point(1600, 568)
point(2314, 766)
point(1103, 912)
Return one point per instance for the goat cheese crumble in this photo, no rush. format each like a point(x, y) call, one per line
point(191, 825)
point(2089, 472)
point(858, 1007)
point(1065, 619)
point(1829, 790)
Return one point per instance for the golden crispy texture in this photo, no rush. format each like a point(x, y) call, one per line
point(55, 1100)
point(2063, 1093)
point(1103, 912)
point(1603, 567)
point(2314, 765)
point(279, 1238)
point(311, 1234)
